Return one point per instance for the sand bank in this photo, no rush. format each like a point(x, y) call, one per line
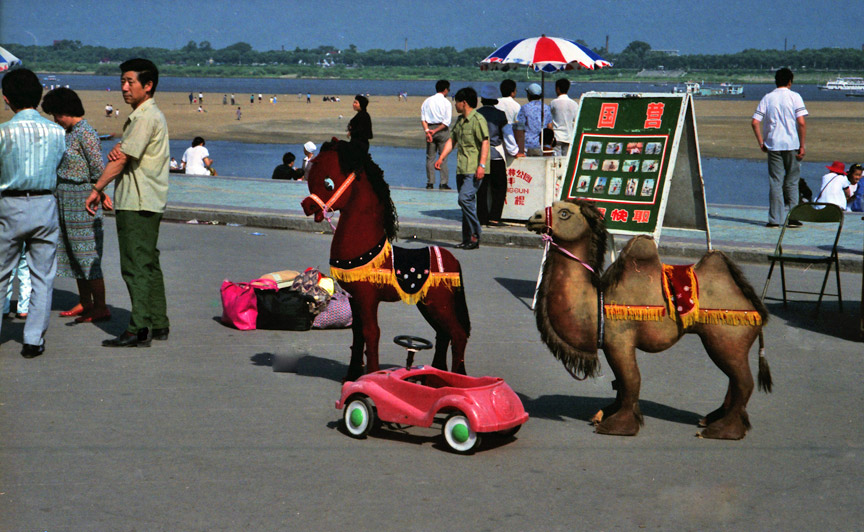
point(723, 126)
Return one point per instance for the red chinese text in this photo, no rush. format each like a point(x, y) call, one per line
point(654, 116)
point(602, 211)
point(608, 115)
point(519, 200)
point(641, 217)
point(619, 215)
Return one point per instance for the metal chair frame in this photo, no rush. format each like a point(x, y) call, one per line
point(809, 213)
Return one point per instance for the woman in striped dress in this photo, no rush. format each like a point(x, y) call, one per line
point(79, 252)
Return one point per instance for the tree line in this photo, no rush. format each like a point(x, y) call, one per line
point(72, 55)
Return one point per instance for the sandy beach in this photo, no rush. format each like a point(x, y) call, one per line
point(723, 126)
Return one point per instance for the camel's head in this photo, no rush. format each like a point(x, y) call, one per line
point(567, 221)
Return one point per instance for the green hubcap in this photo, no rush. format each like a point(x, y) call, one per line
point(357, 417)
point(460, 433)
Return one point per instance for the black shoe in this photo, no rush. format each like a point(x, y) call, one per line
point(32, 351)
point(161, 334)
point(474, 244)
point(794, 223)
point(429, 186)
point(461, 245)
point(128, 339)
point(444, 187)
point(772, 225)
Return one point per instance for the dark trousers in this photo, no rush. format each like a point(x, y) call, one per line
point(137, 235)
point(493, 190)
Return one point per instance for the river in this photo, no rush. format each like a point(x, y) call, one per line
point(319, 87)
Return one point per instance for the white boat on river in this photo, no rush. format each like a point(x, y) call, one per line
point(844, 84)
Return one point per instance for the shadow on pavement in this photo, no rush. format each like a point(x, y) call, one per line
point(522, 289)
point(829, 320)
point(559, 407)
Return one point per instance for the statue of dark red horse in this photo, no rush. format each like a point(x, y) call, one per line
point(343, 178)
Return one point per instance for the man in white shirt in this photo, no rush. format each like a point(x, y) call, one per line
point(196, 159)
point(435, 116)
point(563, 115)
point(780, 130)
point(506, 102)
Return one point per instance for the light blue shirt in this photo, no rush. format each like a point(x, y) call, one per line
point(31, 148)
point(528, 120)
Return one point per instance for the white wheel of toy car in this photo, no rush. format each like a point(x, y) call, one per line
point(358, 416)
point(458, 434)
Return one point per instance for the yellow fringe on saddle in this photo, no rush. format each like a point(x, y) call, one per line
point(372, 272)
point(635, 312)
point(729, 317)
point(694, 315)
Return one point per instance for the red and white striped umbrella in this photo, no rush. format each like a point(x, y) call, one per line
point(543, 54)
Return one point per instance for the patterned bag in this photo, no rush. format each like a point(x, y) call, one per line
point(337, 315)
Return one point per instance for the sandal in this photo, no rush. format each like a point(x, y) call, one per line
point(88, 318)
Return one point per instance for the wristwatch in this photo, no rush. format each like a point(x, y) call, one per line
point(483, 166)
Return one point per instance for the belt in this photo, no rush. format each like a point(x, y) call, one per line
point(18, 193)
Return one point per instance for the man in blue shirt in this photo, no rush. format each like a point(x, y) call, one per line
point(31, 148)
point(533, 117)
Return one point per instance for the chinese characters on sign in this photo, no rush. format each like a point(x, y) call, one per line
point(514, 190)
point(621, 156)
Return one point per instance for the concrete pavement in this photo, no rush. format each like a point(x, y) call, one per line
point(199, 434)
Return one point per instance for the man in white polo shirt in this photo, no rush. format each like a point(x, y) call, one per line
point(435, 116)
point(780, 130)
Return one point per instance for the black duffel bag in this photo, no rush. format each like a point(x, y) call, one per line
point(286, 310)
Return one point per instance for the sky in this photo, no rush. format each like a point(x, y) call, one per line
point(691, 27)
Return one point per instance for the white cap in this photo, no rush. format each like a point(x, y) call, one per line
point(309, 146)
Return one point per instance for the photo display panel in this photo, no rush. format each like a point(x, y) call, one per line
point(621, 158)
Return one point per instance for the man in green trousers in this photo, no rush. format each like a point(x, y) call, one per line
point(139, 163)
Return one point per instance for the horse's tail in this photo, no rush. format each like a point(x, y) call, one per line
point(742, 283)
point(462, 305)
point(764, 377)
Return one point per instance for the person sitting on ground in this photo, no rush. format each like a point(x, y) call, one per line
point(856, 202)
point(838, 186)
point(286, 170)
point(308, 153)
point(196, 159)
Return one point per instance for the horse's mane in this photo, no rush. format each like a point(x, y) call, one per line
point(352, 158)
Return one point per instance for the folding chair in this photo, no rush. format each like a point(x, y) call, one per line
point(809, 213)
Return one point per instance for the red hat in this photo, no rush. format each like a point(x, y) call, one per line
point(837, 167)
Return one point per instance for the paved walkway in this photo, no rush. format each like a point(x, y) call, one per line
point(435, 215)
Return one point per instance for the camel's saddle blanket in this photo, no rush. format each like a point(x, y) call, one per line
point(410, 271)
point(681, 291)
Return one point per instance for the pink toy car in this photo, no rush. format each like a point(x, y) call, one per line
point(415, 395)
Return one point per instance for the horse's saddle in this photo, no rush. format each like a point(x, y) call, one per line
point(411, 267)
point(410, 271)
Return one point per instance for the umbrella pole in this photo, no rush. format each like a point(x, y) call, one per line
point(542, 106)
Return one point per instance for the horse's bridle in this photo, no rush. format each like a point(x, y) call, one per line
point(325, 207)
point(601, 315)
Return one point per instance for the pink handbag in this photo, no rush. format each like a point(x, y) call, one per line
point(239, 304)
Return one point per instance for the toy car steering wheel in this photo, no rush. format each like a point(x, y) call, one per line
point(412, 344)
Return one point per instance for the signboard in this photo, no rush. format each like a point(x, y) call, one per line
point(637, 157)
point(531, 185)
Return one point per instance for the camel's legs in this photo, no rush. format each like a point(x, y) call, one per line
point(728, 347)
point(624, 417)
